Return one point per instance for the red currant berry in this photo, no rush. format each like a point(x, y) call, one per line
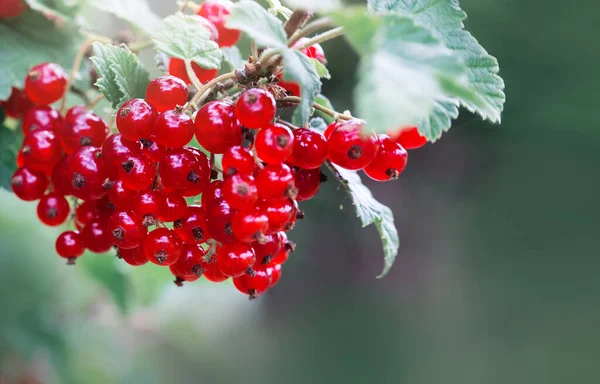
point(152, 150)
point(87, 174)
point(219, 216)
point(275, 274)
point(276, 181)
point(134, 256)
point(116, 149)
point(175, 167)
point(60, 177)
point(175, 208)
point(214, 33)
point(199, 176)
point(43, 117)
point(120, 196)
point(217, 128)
point(255, 108)
point(314, 51)
point(45, 83)
point(350, 148)
point(236, 160)
point(166, 92)
point(163, 246)
point(148, 203)
point(135, 119)
point(240, 191)
point(409, 138)
point(274, 143)
point(127, 229)
point(291, 87)
point(28, 185)
point(191, 228)
point(284, 253)
point(82, 130)
point(189, 265)
point(75, 110)
point(250, 224)
point(309, 149)
point(53, 209)
point(86, 212)
point(308, 182)
point(17, 104)
point(69, 245)
point(212, 193)
point(279, 212)
point(255, 284)
point(177, 69)
point(268, 250)
point(137, 172)
point(212, 273)
point(173, 129)
point(216, 12)
point(332, 127)
point(234, 260)
point(104, 208)
point(41, 150)
point(389, 162)
point(96, 237)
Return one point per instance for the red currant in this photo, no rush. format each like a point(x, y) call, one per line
point(175, 207)
point(82, 130)
point(240, 191)
point(234, 260)
point(238, 159)
point(279, 212)
point(45, 83)
point(212, 273)
point(116, 149)
point(214, 192)
point(290, 86)
point(134, 256)
point(219, 217)
point(137, 172)
point(266, 251)
point(28, 184)
point(60, 177)
point(96, 237)
point(87, 174)
point(17, 104)
point(104, 207)
point(350, 148)
point(214, 33)
point(120, 196)
point(191, 228)
point(53, 209)
point(217, 128)
point(216, 12)
point(332, 127)
point(255, 284)
point(284, 253)
point(136, 118)
point(255, 108)
point(148, 203)
point(173, 129)
point(152, 150)
point(389, 162)
point(274, 143)
point(189, 265)
point(86, 212)
point(199, 176)
point(409, 138)
point(41, 118)
point(250, 224)
point(166, 92)
point(41, 150)
point(309, 149)
point(276, 181)
point(275, 274)
point(314, 51)
point(127, 229)
point(163, 246)
point(69, 246)
point(308, 182)
point(177, 69)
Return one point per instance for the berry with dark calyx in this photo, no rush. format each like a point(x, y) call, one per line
point(177, 69)
point(275, 274)
point(150, 204)
point(69, 245)
point(82, 130)
point(41, 150)
point(119, 195)
point(75, 110)
point(191, 228)
point(86, 212)
point(240, 191)
point(174, 208)
point(216, 12)
point(175, 167)
point(279, 213)
point(53, 209)
point(219, 217)
point(290, 86)
point(189, 265)
point(17, 104)
point(409, 138)
point(173, 129)
point(266, 251)
point(238, 160)
point(45, 83)
point(28, 185)
point(255, 108)
point(41, 117)
point(389, 162)
point(135, 119)
point(309, 149)
point(314, 51)
point(96, 237)
point(166, 92)
point(250, 225)
point(217, 128)
point(152, 150)
point(60, 177)
point(284, 253)
point(87, 174)
point(134, 256)
point(198, 177)
point(235, 259)
point(274, 143)
point(308, 182)
point(137, 172)
point(212, 273)
point(350, 148)
point(212, 193)
point(276, 181)
point(127, 229)
point(254, 285)
point(163, 246)
point(116, 149)
point(104, 207)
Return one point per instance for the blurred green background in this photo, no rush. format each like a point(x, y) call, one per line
point(496, 280)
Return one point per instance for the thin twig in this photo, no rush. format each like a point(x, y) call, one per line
point(309, 29)
point(332, 113)
point(295, 22)
point(254, 49)
point(208, 86)
point(192, 75)
point(331, 34)
point(94, 102)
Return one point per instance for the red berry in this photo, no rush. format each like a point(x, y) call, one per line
point(409, 138)
point(255, 284)
point(175, 207)
point(86, 212)
point(12, 8)
point(45, 83)
point(212, 193)
point(173, 129)
point(199, 176)
point(214, 33)
point(250, 224)
point(69, 245)
point(175, 167)
point(276, 181)
point(120, 196)
point(127, 229)
point(104, 207)
point(266, 251)
point(191, 228)
point(274, 143)
point(189, 265)
point(43, 117)
point(137, 172)
point(41, 150)
point(238, 159)
point(166, 92)
point(290, 86)
point(96, 237)
point(212, 273)
point(116, 149)
point(255, 108)
point(87, 174)
point(135, 119)
point(217, 128)
point(177, 69)
point(152, 150)
point(28, 185)
point(332, 127)
point(148, 203)
point(75, 110)
point(17, 104)
point(308, 182)
point(235, 259)
point(216, 12)
point(240, 191)
point(60, 177)
point(163, 246)
point(53, 209)
point(279, 213)
point(219, 217)
point(275, 274)
point(82, 130)
point(314, 51)
point(134, 256)
point(350, 148)
point(389, 162)
point(309, 149)
point(286, 248)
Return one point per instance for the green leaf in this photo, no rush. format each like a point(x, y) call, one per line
point(445, 20)
point(233, 57)
point(135, 12)
point(299, 69)
point(251, 18)
point(59, 11)
point(186, 38)
point(371, 211)
point(105, 270)
point(322, 70)
point(324, 101)
point(29, 40)
point(318, 124)
point(10, 143)
point(359, 28)
point(121, 76)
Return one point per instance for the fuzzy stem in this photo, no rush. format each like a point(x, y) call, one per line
point(310, 28)
point(208, 86)
point(332, 113)
point(254, 49)
point(296, 20)
point(94, 102)
point(331, 34)
point(192, 75)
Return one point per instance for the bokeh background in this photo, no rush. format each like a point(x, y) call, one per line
point(496, 280)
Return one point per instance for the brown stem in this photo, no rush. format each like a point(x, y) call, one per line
point(94, 102)
point(296, 21)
